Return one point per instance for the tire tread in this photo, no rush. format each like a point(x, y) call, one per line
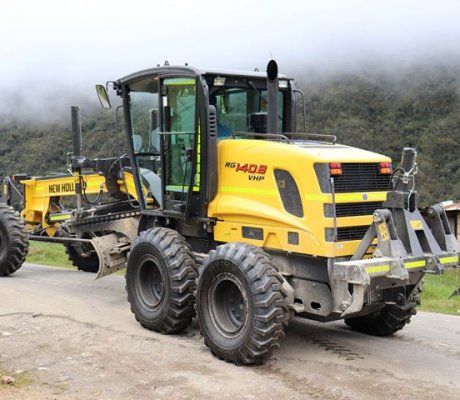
point(182, 275)
point(18, 240)
point(269, 304)
point(386, 321)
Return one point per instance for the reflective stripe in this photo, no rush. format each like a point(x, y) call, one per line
point(447, 260)
point(179, 81)
point(378, 268)
point(415, 264)
point(62, 217)
point(232, 189)
point(416, 225)
point(348, 197)
point(198, 157)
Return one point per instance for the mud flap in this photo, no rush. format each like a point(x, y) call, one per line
point(111, 250)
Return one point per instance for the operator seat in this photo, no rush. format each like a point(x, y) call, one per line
point(153, 183)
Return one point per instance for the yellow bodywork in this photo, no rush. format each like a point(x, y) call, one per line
point(246, 197)
point(43, 195)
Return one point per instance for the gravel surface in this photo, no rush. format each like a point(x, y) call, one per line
point(65, 336)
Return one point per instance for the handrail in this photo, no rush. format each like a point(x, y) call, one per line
point(287, 136)
point(262, 135)
point(177, 133)
point(332, 138)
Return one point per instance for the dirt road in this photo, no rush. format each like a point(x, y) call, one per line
point(65, 336)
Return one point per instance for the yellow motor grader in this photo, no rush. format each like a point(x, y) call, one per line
point(235, 215)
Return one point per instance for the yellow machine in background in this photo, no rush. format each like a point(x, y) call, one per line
point(44, 196)
point(92, 210)
point(49, 216)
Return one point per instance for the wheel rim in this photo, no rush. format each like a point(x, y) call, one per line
point(150, 283)
point(228, 306)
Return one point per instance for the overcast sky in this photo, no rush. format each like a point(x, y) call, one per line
point(68, 45)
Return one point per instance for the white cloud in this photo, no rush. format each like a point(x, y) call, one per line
point(51, 42)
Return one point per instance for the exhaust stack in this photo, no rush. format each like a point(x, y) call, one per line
point(76, 130)
point(272, 91)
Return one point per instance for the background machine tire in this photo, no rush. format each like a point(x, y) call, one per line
point(14, 243)
point(160, 281)
point(240, 304)
point(384, 322)
point(83, 263)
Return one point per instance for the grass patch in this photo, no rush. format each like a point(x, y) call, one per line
point(21, 379)
point(436, 292)
point(48, 254)
point(52, 254)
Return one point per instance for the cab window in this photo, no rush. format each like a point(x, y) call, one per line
point(234, 105)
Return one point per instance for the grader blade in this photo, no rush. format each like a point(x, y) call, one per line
point(111, 250)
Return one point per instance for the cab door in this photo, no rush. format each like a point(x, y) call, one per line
point(163, 134)
point(180, 144)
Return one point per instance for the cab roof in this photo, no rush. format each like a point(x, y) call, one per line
point(191, 71)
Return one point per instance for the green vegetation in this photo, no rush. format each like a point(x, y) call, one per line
point(52, 254)
point(385, 111)
point(436, 292)
point(39, 148)
point(48, 254)
point(21, 379)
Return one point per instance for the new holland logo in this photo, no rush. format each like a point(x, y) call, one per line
point(364, 196)
point(67, 187)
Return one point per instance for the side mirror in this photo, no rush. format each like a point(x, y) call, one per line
point(103, 96)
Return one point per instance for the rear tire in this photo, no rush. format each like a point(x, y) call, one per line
point(240, 303)
point(160, 281)
point(86, 264)
point(384, 322)
point(14, 241)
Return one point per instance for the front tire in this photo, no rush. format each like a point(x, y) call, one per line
point(160, 281)
point(14, 241)
point(240, 303)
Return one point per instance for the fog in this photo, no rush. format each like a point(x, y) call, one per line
point(53, 52)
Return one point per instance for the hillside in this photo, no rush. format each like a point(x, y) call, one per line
point(384, 112)
point(379, 111)
point(39, 148)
